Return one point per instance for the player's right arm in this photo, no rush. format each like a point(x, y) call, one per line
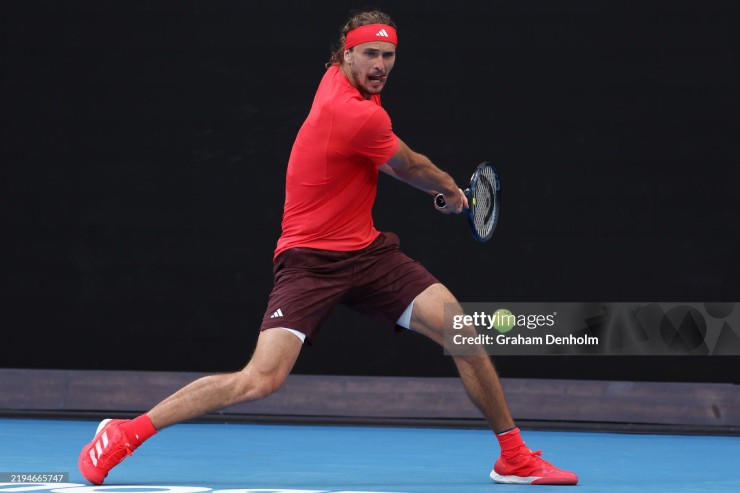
point(418, 171)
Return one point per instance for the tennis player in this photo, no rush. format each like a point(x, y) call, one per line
point(330, 253)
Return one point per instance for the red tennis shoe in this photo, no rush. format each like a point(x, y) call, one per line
point(109, 447)
point(529, 467)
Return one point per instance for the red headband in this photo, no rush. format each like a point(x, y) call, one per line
point(370, 32)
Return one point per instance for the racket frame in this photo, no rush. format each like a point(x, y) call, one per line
point(440, 203)
point(495, 199)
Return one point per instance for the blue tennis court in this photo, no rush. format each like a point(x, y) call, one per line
point(192, 458)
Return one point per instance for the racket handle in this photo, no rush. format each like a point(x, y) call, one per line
point(441, 203)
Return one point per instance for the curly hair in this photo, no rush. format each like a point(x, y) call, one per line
point(357, 19)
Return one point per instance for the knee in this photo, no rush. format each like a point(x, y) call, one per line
point(251, 385)
point(266, 385)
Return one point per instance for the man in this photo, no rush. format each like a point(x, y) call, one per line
point(330, 253)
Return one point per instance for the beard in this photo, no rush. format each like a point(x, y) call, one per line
point(367, 86)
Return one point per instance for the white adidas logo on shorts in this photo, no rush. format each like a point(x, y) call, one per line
point(277, 313)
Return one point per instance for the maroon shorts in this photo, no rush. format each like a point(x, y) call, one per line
point(378, 280)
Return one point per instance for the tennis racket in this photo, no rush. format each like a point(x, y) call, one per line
point(483, 199)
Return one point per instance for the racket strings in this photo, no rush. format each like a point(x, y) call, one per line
point(485, 202)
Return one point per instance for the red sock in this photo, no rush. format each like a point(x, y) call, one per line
point(511, 442)
point(139, 429)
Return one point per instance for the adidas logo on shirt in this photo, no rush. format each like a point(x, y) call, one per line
point(382, 33)
point(277, 313)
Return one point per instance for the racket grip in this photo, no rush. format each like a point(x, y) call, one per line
point(441, 203)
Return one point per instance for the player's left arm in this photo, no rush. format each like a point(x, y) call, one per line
point(418, 171)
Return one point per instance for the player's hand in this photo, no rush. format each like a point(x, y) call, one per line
point(451, 204)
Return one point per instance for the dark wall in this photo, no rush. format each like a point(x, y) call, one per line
point(144, 147)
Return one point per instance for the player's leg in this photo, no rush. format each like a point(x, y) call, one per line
point(290, 305)
point(517, 464)
point(476, 370)
point(272, 361)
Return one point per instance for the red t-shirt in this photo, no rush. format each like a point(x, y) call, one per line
point(332, 173)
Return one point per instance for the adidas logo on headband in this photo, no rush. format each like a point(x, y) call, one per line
point(369, 33)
